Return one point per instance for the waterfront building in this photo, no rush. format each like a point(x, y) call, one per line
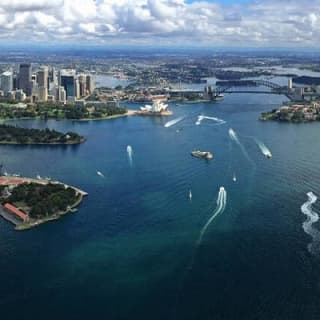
point(25, 78)
point(16, 212)
point(6, 82)
point(20, 95)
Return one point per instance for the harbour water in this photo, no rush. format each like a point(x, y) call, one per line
point(131, 251)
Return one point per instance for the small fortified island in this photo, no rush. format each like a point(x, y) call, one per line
point(30, 202)
point(297, 113)
point(18, 135)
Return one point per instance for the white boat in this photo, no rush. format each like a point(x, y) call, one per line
point(100, 174)
point(234, 178)
point(219, 96)
point(190, 195)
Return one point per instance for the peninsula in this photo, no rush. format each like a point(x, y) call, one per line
point(17, 135)
point(30, 202)
point(60, 111)
point(297, 113)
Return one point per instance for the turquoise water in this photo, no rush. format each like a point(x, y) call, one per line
point(130, 251)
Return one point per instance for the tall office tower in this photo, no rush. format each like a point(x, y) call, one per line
point(15, 81)
point(77, 89)
point(68, 81)
point(42, 94)
point(25, 78)
point(83, 85)
point(6, 82)
point(90, 83)
point(61, 94)
point(43, 83)
point(52, 75)
point(43, 77)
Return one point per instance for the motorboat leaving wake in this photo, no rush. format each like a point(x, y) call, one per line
point(265, 151)
point(100, 174)
point(130, 154)
point(312, 218)
point(234, 178)
point(190, 195)
point(221, 205)
point(202, 117)
point(234, 137)
point(173, 122)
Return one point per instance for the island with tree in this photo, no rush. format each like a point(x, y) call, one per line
point(10, 134)
point(29, 202)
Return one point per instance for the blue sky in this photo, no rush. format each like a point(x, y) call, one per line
point(242, 23)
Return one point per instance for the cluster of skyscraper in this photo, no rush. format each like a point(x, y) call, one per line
point(45, 84)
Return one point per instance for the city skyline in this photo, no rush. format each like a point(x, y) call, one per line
point(161, 22)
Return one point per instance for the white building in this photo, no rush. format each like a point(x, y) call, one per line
point(6, 82)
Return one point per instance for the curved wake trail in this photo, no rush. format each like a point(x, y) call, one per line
point(234, 137)
point(130, 155)
point(221, 205)
point(312, 217)
point(173, 122)
point(264, 149)
point(202, 117)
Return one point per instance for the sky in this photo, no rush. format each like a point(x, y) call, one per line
point(242, 23)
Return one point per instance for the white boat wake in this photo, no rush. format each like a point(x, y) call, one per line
point(265, 151)
point(221, 205)
point(202, 117)
point(312, 217)
point(130, 155)
point(100, 174)
point(190, 195)
point(173, 122)
point(234, 137)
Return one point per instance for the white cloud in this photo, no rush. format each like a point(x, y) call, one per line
point(29, 5)
point(269, 22)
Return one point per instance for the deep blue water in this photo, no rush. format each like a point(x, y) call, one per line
point(130, 251)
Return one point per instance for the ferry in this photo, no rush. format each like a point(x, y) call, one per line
point(202, 154)
point(219, 96)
